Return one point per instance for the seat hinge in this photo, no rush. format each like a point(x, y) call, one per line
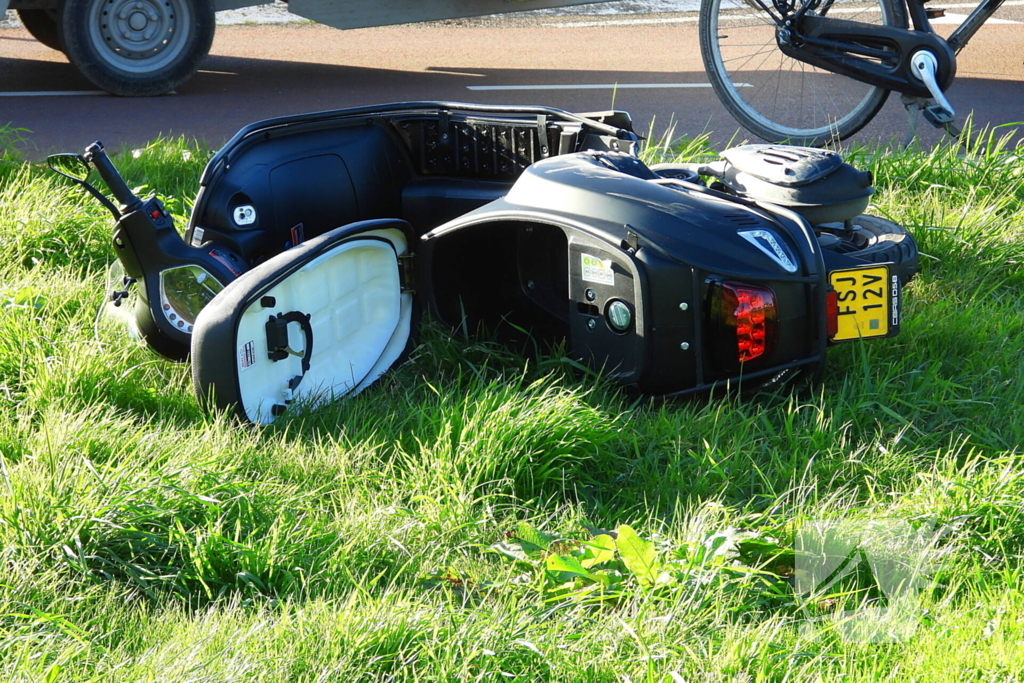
point(444, 131)
point(542, 136)
point(631, 244)
point(407, 272)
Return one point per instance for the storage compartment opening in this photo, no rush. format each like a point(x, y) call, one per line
point(504, 278)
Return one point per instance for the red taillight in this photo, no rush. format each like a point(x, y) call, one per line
point(831, 313)
point(755, 314)
point(743, 323)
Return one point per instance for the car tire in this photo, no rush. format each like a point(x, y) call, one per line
point(42, 24)
point(137, 48)
point(876, 241)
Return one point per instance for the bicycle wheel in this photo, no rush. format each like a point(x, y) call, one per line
point(774, 96)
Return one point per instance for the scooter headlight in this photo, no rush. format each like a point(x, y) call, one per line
point(184, 291)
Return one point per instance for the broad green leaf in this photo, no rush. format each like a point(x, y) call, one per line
point(517, 550)
point(597, 531)
point(26, 297)
point(569, 565)
point(724, 545)
point(638, 555)
point(526, 533)
point(252, 580)
point(598, 550)
point(766, 551)
point(607, 577)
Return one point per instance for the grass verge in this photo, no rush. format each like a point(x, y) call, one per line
point(472, 516)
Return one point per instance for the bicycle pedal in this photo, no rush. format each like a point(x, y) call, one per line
point(924, 67)
point(938, 116)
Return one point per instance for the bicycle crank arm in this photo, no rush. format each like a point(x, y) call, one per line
point(876, 55)
point(924, 66)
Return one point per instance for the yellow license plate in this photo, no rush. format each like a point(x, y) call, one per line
point(866, 302)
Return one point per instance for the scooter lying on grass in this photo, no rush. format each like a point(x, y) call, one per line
point(317, 240)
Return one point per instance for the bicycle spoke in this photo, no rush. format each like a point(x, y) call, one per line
point(789, 98)
point(768, 50)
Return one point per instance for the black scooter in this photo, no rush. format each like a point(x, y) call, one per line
point(317, 240)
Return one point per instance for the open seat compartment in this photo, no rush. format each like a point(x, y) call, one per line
point(510, 277)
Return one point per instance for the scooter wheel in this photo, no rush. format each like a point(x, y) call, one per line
point(876, 240)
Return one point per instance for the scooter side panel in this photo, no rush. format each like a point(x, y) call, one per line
point(655, 249)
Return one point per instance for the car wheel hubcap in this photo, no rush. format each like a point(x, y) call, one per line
point(139, 36)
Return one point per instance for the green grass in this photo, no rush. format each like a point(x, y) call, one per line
point(142, 539)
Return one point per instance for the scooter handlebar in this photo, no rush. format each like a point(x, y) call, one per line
point(95, 154)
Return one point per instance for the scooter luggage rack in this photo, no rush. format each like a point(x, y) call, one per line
point(443, 109)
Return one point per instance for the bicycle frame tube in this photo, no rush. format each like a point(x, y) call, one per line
point(919, 19)
point(972, 23)
point(877, 55)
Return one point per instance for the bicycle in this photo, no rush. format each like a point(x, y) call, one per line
point(810, 72)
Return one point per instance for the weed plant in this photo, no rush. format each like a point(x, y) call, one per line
point(477, 515)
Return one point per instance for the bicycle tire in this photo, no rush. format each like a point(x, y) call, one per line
point(841, 105)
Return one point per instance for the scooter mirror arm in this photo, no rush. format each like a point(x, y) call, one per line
point(102, 198)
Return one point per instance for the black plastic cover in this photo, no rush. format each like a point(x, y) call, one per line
point(816, 183)
point(783, 165)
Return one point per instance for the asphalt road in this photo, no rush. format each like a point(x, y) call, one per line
point(256, 72)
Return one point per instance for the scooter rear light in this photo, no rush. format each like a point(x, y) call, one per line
point(831, 313)
point(744, 323)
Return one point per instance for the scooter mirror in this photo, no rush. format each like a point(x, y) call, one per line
point(71, 166)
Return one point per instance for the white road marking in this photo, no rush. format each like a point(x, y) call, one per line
point(623, 22)
point(948, 19)
point(62, 93)
point(53, 93)
point(958, 19)
point(599, 86)
point(972, 5)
